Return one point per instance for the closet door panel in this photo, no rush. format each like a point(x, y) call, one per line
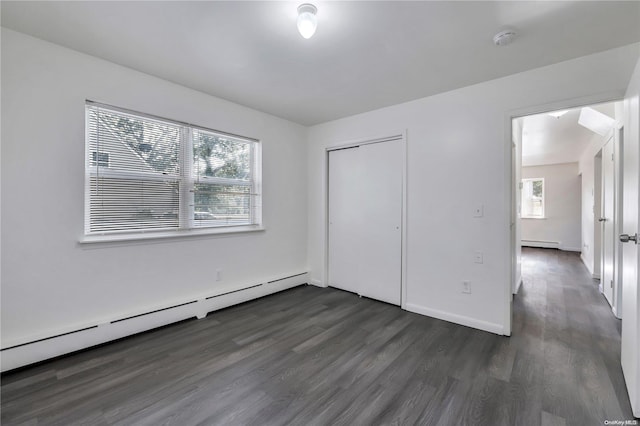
point(380, 226)
point(344, 219)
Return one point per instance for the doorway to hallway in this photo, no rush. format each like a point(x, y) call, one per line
point(567, 187)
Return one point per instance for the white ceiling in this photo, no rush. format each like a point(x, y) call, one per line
point(550, 140)
point(364, 55)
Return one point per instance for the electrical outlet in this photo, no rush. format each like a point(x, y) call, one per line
point(478, 257)
point(218, 274)
point(466, 287)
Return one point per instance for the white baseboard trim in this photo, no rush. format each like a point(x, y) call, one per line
point(457, 319)
point(316, 282)
point(20, 352)
point(518, 284)
point(615, 312)
point(586, 263)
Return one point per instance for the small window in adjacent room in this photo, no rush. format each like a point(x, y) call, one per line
point(146, 174)
point(533, 198)
point(100, 159)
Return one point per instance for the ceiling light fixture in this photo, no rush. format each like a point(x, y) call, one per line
point(307, 20)
point(504, 37)
point(558, 114)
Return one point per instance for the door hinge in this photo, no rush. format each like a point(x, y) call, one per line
point(611, 283)
point(611, 157)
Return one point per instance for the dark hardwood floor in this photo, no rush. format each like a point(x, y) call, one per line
point(312, 356)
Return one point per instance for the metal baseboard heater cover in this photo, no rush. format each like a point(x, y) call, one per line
point(20, 354)
point(541, 244)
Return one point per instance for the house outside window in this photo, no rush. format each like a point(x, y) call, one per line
point(100, 159)
point(533, 198)
point(146, 174)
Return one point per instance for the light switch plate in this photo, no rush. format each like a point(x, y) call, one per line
point(478, 257)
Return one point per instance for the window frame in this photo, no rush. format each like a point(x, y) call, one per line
point(522, 200)
point(254, 212)
point(184, 178)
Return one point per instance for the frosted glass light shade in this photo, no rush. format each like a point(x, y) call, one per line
point(307, 20)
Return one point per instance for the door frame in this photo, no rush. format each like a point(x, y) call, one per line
point(618, 172)
point(609, 138)
point(597, 211)
point(616, 136)
point(391, 136)
point(508, 271)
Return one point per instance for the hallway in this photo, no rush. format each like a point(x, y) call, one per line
point(567, 335)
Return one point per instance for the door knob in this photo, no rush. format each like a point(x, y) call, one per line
point(625, 238)
point(602, 219)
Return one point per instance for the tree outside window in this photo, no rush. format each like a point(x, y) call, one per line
point(533, 198)
point(145, 173)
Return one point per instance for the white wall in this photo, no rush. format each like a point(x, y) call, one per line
point(562, 206)
point(51, 283)
point(630, 290)
point(459, 147)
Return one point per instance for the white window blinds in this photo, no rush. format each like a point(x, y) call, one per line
point(223, 180)
point(145, 174)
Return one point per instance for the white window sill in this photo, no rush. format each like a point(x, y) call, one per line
point(162, 235)
point(534, 217)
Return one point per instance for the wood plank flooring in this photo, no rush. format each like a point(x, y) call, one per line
point(311, 356)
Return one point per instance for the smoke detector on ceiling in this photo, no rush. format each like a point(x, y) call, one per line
point(504, 37)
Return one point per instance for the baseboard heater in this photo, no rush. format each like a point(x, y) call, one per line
point(31, 350)
point(541, 244)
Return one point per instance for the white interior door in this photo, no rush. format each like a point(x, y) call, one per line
point(344, 219)
point(381, 220)
point(607, 219)
point(365, 220)
point(630, 226)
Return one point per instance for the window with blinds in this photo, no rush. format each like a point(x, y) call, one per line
point(149, 174)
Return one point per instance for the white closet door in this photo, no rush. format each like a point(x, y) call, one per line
point(365, 220)
point(381, 224)
point(344, 219)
